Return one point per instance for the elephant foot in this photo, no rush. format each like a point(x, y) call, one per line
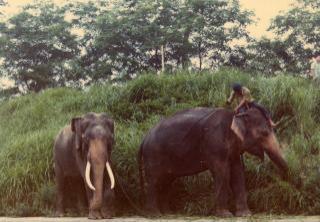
point(165, 208)
point(153, 212)
point(81, 207)
point(106, 214)
point(243, 213)
point(94, 215)
point(59, 213)
point(223, 213)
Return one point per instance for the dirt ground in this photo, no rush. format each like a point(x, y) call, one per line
point(169, 219)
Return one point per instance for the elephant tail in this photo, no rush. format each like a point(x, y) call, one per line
point(141, 171)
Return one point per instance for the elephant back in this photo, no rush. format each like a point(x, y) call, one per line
point(179, 130)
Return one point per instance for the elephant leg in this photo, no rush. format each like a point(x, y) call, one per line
point(220, 169)
point(81, 196)
point(164, 194)
point(107, 205)
point(88, 193)
point(93, 214)
point(237, 183)
point(152, 196)
point(60, 193)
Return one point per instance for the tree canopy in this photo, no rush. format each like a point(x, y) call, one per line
point(299, 31)
point(46, 45)
point(37, 46)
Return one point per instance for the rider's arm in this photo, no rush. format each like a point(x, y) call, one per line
point(231, 97)
point(242, 102)
point(246, 98)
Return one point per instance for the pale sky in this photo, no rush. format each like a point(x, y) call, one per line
point(265, 10)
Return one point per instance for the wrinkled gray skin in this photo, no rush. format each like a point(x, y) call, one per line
point(199, 139)
point(88, 138)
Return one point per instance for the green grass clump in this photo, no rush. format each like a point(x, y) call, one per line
point(28, 125)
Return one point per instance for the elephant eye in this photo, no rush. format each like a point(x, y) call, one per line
point(85, 139)
point(84, 125)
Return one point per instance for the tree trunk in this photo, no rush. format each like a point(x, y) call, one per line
point(184, 57)
point(162, 58)
point(156, 65)
point(200, 56)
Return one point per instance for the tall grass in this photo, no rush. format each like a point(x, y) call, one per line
point(28, 125)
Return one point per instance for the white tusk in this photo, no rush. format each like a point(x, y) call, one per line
point(88, 166)
point(110, 174)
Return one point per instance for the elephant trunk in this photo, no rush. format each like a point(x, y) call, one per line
point(98, 175)
point(97, 159)
point(272, 148)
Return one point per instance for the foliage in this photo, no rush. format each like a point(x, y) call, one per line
point(29, 124)
point(299, 30)
point(128, 37)
point(115, 40)
point(37, 47)
point(271, 56)
point(296, 41)
point(46, 45)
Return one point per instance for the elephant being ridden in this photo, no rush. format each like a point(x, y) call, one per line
point(199, 139)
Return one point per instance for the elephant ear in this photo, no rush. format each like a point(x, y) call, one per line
point(77, 129)
point(108, 124)
point(238, 127)
point(108, 121)
point(111, 124)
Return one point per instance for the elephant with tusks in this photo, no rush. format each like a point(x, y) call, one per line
point(82, 150)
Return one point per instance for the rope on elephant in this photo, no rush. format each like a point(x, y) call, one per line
point(242, 161)
point(121, 182)
point(202, 118)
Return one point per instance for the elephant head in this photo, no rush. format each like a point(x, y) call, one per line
point(94, 138)
point(257, 137)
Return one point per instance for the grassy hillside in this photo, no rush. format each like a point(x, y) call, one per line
point(28, 125)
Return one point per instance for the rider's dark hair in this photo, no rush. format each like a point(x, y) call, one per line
point(236, 87)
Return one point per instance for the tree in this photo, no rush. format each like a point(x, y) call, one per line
point(269, 56)
point(211, 26)
point(127, 37)
point(119, 39)
point(37, 47)
point(299, 30)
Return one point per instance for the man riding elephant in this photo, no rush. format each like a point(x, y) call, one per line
point(245, 101)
